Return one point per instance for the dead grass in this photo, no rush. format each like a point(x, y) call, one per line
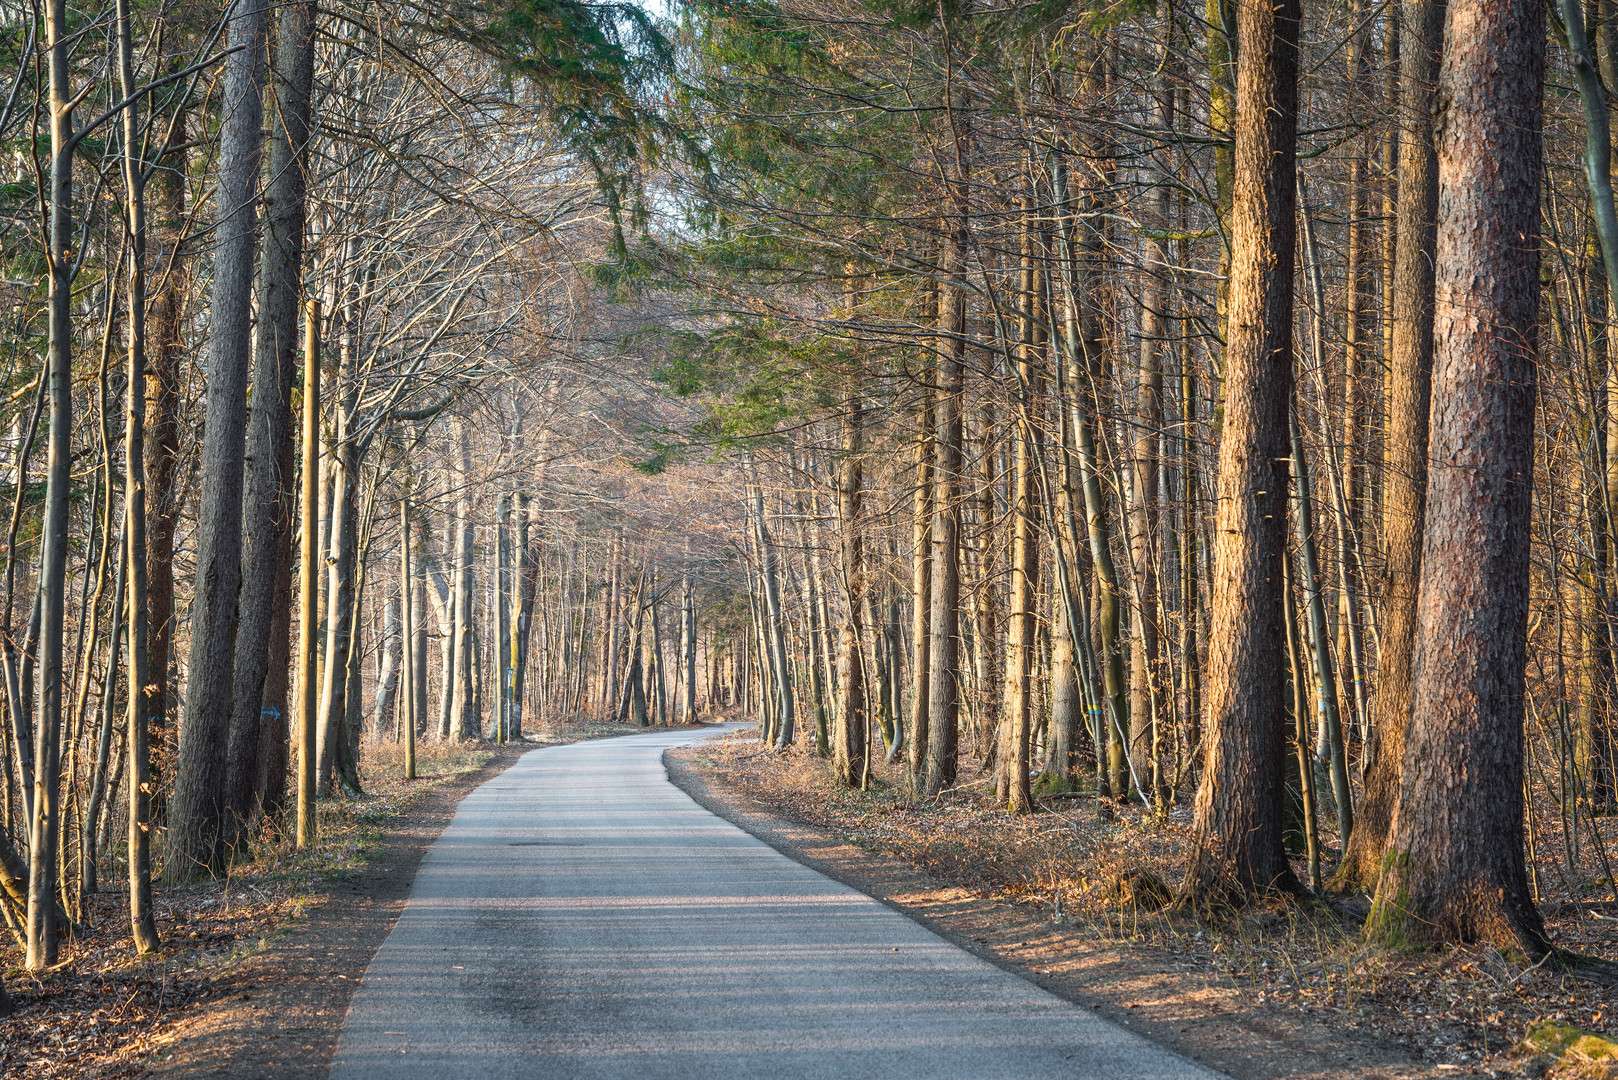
point(1461, 1010)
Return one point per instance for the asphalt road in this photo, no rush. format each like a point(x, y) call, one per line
point(583, 917)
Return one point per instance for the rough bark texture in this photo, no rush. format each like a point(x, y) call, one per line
point(268, 505)
point(1455, 869)
point(1405, 461)
point(1239, 801)
point(195, 819)
point(275, 703)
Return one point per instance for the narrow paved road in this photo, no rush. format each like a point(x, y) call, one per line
point(583, 917)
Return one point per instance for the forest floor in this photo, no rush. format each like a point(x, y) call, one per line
point(1283, 991)
point(256, 969)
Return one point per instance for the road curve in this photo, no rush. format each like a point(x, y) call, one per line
point(583, 917)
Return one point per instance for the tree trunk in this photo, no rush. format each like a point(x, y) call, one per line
point(169, 335)
point(525, 578)
point(774, 621)
point(688, 651)
point(408, 716)
point(921, 588)
point(268, 505)
point(44, 826)
point(462, 723)
point(340, 558)
point(276, 708)
point(1240, 798)
point(850, 755)
point(943, 650)
point(1145, 698)
point(442, 597)
point(145, 697)
point(501, 616)
point(387, 676)
point(1404, 469)
point(1021, 628)
point(1455, 870)
point(309, 581)
point(195, 818)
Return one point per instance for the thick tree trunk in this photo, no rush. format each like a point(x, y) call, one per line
point(1240, 798)
point(1455, 870)
point(195, 819)
point(276, 708)
point(1404, 470)
point(268, 505)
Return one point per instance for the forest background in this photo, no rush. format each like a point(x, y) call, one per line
point(1196, 406)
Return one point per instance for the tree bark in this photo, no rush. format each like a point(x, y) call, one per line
point(774, 622)
point(943, 649)
point(195, 819)
point(340, 559)
point(1239, 801)
point(1455, 870)
point(850, 755)
point(44, 826)
point(309, 581)
point(268, 505)
point(167, 333)
point(921, 589)
point(145, 697)
point(1022, 628)
point(408, 714)
point(1404, 470)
